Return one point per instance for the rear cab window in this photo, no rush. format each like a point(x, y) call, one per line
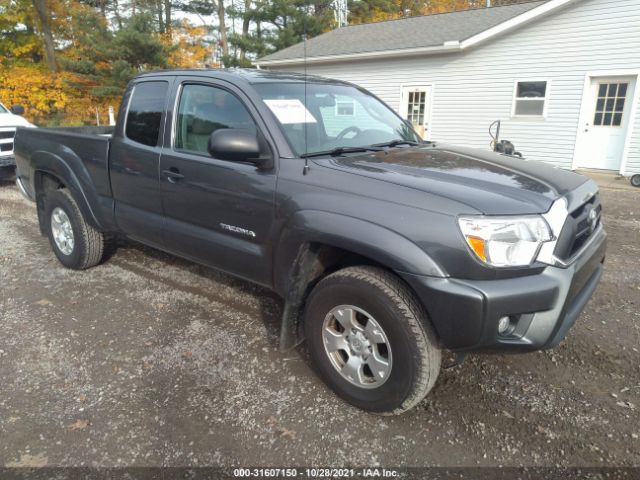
point(146, 108)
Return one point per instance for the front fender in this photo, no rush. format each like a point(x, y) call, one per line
point(364, 238)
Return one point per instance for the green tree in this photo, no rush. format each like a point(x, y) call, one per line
point(270, 25)
point(18, 40)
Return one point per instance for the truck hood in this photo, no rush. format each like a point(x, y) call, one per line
point(487, 182)
point(11, 120)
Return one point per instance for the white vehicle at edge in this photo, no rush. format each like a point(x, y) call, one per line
point(8, 123)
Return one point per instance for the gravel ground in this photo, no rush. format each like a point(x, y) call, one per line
point(149, 360)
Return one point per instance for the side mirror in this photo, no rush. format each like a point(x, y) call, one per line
point(236, 145)
point(17, 110)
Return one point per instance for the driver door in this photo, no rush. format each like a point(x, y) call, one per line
point(217, 212)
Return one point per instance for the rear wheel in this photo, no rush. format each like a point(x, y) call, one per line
point(635, 180)
point(75, 242)
point(370, 340)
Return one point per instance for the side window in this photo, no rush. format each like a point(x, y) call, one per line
point(203, 110)
point(529, 99)
point(145, 112)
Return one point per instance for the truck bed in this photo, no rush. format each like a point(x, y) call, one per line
point(87, 130)
point(83, 150)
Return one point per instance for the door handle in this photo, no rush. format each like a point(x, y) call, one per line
point(173, 174)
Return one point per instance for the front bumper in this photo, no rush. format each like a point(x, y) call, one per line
point(544, 307)
point(7, 161)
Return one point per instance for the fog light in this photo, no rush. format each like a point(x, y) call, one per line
point(504, 326)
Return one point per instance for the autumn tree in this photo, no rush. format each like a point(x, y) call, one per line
point(44, 26)
point(79, 54)
point(364, 11)
point(18, 40)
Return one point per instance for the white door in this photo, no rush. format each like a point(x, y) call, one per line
point(605, 122)
point(416, 107)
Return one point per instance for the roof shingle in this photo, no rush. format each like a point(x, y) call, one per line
point(404, 33)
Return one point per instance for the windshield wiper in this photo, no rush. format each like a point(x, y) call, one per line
point(341, 150)
point(395, 143)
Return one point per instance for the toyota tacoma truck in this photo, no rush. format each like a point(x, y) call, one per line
point(387, 250)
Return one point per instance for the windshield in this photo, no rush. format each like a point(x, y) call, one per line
point(332, 116)
point(3, 109)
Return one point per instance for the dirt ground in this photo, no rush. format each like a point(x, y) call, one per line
point(149, 360)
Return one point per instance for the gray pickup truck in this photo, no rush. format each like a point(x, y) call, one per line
point(385, 249)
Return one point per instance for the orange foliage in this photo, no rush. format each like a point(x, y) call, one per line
point(186, 49)
point(65, 98)
point(49, 99)
point(40, 92)
point(412, 8)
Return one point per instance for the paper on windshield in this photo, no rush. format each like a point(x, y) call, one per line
point(290, 111)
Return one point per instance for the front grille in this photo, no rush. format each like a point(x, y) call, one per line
point(6, 147)
point(7, 134)
point(578, 228)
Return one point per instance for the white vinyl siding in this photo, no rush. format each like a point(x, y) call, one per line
point(475, 87)
point(633, 157)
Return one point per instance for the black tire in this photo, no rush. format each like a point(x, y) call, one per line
point(412, 341)
point(89, 243)
point(635, 180)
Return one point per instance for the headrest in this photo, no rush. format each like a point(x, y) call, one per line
point(204, 120)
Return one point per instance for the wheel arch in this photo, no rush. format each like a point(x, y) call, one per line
point(315, 244)
point(53, 172)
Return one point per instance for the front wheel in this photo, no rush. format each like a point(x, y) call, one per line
point(75, 242)
point(371, 341)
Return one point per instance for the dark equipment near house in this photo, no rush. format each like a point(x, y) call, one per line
point(504, 147)
point(635, 180)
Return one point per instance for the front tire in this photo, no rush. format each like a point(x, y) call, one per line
point(370, 340)
point(77, 244)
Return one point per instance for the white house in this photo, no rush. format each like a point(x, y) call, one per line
point(561, 75)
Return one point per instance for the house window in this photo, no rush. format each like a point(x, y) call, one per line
point(610, 106)
point(345, 108)
point(530, 99)
point(416, 105)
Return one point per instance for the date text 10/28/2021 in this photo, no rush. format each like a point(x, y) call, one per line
point(315, 473)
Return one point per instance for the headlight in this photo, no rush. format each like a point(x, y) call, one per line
point(505, 241)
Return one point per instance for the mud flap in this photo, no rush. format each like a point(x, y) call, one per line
point(306, 268)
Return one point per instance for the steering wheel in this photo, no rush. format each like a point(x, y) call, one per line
point(352, 128)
